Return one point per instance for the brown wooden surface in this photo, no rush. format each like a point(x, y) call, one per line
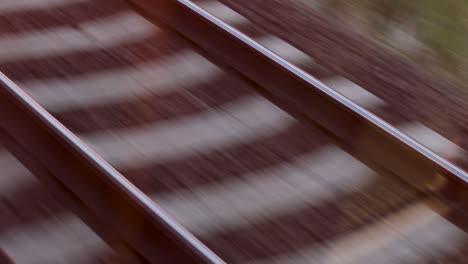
point(110, 205)
point(370, 139)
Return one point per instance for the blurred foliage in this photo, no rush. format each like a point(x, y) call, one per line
point(441, 25)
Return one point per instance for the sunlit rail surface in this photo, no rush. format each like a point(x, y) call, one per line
point(165, 131)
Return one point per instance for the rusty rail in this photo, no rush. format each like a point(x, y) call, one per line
point(372, 140)
point(122, 215)
point(138, 228)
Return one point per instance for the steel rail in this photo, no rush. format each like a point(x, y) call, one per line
point(4, 258)
point(113, 206)
point(369, 138)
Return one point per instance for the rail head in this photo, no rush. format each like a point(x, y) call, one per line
point(300, 94)
point(105, 193)
point(140, 222)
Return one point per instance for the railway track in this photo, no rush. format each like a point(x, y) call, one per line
point(254, 166)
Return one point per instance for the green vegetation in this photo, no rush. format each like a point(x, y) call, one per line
point(440, 25)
